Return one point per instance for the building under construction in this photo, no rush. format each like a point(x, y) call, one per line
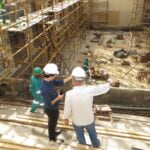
point(112, 36)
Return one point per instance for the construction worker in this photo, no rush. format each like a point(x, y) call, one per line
point(3, 10)
point(85, 65)
point(52, 98)
point(35, 84)
point(78, 106)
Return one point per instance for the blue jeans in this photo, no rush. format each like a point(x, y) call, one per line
point(91, 131)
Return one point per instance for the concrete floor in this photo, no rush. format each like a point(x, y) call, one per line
point(36, 136)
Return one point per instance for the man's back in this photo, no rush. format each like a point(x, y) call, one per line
point(79, 101)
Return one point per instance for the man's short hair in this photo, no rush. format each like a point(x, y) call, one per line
point(48, 75)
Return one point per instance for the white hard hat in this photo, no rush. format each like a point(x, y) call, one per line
point(78, 73)
point(51, 69)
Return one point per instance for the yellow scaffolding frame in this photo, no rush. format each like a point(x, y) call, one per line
point(56, 26)
point(141, 18)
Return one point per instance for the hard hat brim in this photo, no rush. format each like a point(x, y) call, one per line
point(57, 73)
point(79, 78)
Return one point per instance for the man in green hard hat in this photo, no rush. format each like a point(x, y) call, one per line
point(3, 10)
point(35, 84)
point(85, 65)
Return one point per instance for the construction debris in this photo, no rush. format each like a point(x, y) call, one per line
point(108, 43)
point(97, 73)
point(87, 46)
point(125, 63)
point(94, 40)
point(132, 53)
point(138, 46)
point(103, 110)
point(97, 35)
point(120, 37)
point(145, 57)
point(147, 64)
point(121, 53)
point(144, 74)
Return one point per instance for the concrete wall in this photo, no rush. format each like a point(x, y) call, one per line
point(119, 11)
point(121, 96)
point(125, 97)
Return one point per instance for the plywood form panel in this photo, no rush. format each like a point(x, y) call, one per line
point(113, 17)
point(124, 7)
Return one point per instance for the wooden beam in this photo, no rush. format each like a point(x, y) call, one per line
point(83, 147)
point(100, 130)
point(10, 145)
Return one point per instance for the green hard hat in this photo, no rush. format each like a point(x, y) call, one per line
point(37, 71)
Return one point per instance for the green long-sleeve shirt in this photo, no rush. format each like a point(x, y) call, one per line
point(35, 84)
point(2, 4)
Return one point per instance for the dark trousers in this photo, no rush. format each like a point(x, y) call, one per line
point(52, 122)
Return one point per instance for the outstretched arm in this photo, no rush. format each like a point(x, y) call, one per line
point(67, 79)
point(101, 88)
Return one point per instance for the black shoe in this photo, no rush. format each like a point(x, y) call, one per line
point(57, 133)
point(57, 130)
point(32, 111)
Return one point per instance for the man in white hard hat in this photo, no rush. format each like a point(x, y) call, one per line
point(51, 97)
point(78, 106)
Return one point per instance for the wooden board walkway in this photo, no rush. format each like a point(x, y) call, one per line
point(106, 131)
point(10, 145)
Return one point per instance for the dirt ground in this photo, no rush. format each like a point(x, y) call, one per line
point(130, 71)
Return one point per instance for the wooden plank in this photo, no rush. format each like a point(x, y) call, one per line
point(131, 118)
point(113, 17)
point(4, 143)
point(27, 103)
point(10, 145)
point(97, 127)
point(83, 147)
point(100, 130)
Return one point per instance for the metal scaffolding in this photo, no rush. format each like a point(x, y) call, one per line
point(146, 21)
point(37, 32)
point(141, 19)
